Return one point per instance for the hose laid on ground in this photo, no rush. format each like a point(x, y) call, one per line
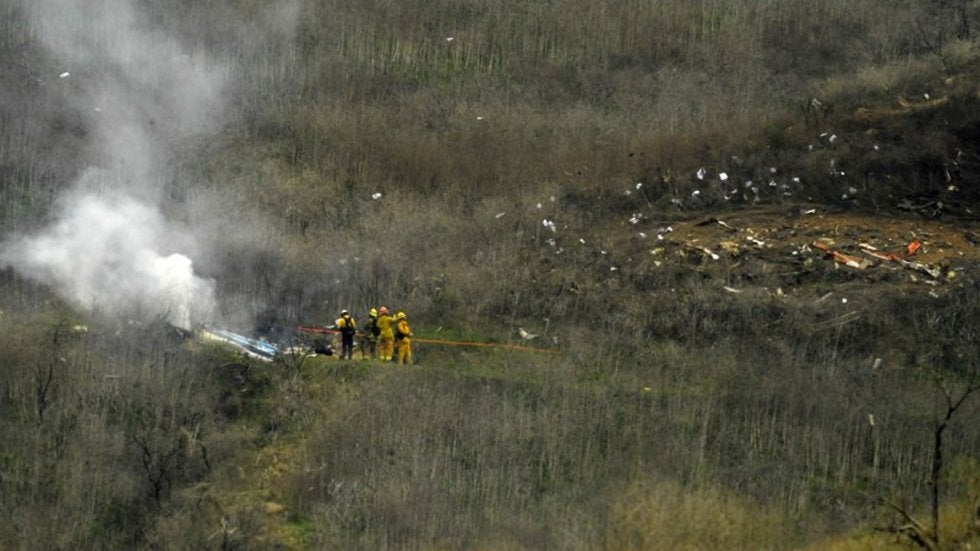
point(505, 346)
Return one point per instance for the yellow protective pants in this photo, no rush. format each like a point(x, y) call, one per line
point(386, 348)
point(405, 351)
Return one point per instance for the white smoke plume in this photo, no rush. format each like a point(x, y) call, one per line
point(105, 254)
point(110, 250)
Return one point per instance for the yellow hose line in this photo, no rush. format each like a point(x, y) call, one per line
point(450, 343)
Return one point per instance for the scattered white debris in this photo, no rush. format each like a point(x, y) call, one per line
point(701, 173)
point(66, 74)
point(524, 334)
point(796, 179)
point(635, 219)
point(450, 38)
point(582, 241)
point(539, 205)
point(852, 190)
point(479, 118)
point(877, 364)
point(639, 185)
point(708, 252)
point(376, 195)
point(731, 289)
point(549, 224)
point(695, 193)
point(772, 170)
point(843, 300)
point(832, 138)
point(500, 215)
point(642, 235)
point(723, 176)
point(876, 147)
point(871, 419)
point(613, 269)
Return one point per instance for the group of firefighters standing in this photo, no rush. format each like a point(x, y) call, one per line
point(380, 338)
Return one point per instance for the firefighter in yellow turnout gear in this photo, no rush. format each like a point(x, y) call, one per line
point(386, 335)
point(403, 334)
point(347, 327)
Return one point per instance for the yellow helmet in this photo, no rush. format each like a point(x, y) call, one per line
point(373, 312)
point(401, 315)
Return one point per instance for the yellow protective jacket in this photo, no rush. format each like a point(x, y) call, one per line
point(346, 325)
point(384, 327)
point(403, 329)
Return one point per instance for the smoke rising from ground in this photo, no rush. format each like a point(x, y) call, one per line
point(105, 254)
point(110, 249)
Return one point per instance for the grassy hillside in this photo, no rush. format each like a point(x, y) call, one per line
point(641, 184)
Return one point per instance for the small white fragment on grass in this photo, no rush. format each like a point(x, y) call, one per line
point(642, 235)
point(539, 205)
point(700, 174)
point(66, 74)
point(613, 269)
point(549, 224)
point(479, 118)
point(500, 215)
point(723, 176)
point(450, 38)
point(635, 219)
point(877, 364)
point(639, 185)
point(376, 195)
point(731, 289)
point(843, 300)
point(582, 241)
point(871, 419)
point(852, 190)
point(772, 170)
point(525, 335)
